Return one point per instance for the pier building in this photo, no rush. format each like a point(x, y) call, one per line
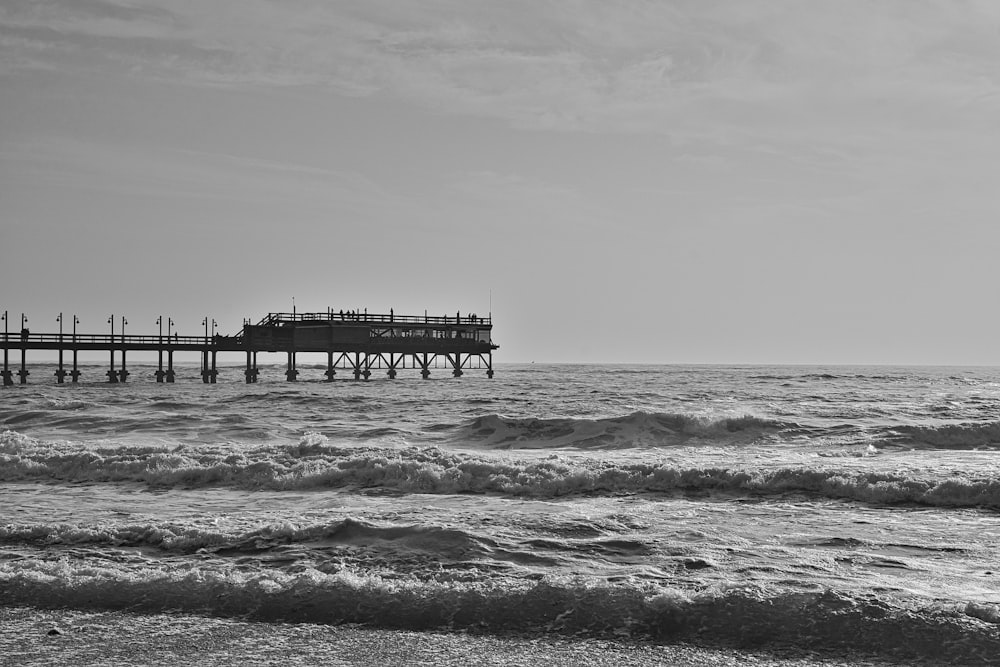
point(354, 342)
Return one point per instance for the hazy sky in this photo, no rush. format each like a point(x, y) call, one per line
point(638, 181)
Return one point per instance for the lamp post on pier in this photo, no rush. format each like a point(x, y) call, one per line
point(112, 373)
point(170, 353)
point(75, 373)
point(205, 322)
point(159, 352)
point(7, 380)
point(60, 372)
point(23, 373)
point(123, 373)
point(209, 373)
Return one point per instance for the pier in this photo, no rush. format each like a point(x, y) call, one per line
point(354, 342)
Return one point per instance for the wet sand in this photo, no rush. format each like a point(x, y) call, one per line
point(60, 637)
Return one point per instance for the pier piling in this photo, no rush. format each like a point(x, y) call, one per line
point(330, 372)
point(23, 373)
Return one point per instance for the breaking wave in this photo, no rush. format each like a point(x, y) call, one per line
point(313, 463)
point(733, 615)
point(182, 539)
point(639, 429)
point(947, 436)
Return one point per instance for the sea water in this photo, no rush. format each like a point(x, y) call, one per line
point(834, 508)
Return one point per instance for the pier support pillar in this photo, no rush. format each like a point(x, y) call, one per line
point(75, 375)
point(170, 366)
point(330, 372)
point(251, 371)
point(213, 373)
point(61, 375)
point(159, 365)
point(291, 374)
point(123, 373)
point(208, 373)
point(456, 364)
point(8, 379)
point(112, 373)
point(425, 371)
point(23, 373)
point(362, 370)
point(160, 375)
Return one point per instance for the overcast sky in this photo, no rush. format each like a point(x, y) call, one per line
point(742, 181)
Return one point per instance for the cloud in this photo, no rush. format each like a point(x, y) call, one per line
point(170, 173)
point(609, 65)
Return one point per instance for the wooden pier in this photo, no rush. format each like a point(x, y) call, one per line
point(354, 342)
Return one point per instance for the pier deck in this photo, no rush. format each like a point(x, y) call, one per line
point(357, 342)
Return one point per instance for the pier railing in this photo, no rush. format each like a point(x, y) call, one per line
point(65, 340)
point(273, 319)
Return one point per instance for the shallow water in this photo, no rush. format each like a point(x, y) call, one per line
point(850, 508)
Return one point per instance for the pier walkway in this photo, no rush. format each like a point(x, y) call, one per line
point(354, 342)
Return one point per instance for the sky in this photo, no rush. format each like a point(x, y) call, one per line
point(620, 181)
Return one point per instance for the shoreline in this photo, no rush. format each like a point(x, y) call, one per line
point(37, 637)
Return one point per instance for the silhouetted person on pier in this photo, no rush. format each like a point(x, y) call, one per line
point(24, 333)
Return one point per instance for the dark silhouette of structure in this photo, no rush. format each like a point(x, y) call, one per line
point(353, 341)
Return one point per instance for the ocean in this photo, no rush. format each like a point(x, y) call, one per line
point(827, 511)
